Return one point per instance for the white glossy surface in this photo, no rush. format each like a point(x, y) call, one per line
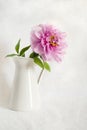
point(64, 90)
point(25, 90)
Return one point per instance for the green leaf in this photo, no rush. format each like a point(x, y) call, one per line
point(24, 50)
point(17, 46)
point(23, 55)
point(33, 54)
point(38, 62)
point(10, 55)
point(47, 66)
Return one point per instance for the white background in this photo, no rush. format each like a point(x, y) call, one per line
point(64, 90)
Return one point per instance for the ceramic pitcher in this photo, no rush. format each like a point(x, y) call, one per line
point(25, 94)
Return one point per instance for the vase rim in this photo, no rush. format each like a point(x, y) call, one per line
point(23, 58)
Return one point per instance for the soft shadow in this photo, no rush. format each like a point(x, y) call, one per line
point(4, 86)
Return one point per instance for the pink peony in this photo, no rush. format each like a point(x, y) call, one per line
point(48, 42)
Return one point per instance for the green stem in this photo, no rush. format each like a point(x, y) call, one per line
point(40, 76)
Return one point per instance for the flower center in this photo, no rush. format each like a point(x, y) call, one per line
point(52, 41)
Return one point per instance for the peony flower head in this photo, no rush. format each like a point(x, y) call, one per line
point(48, 42)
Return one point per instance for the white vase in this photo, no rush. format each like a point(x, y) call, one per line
point(25, 93)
